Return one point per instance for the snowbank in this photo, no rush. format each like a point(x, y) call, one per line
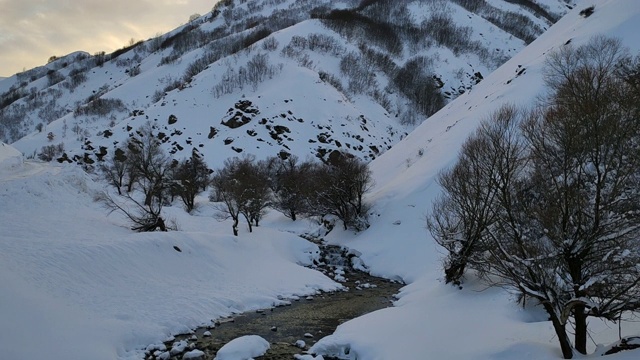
point(243, 348)
point(10, 158)
point(77, 284)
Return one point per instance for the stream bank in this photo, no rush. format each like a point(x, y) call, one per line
point(305, 319)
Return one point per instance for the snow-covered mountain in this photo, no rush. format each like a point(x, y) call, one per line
point(76, 284)
point(265, 76)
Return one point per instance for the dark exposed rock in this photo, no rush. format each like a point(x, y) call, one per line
point(212, 132)
point(585, 13)
point(242, 114)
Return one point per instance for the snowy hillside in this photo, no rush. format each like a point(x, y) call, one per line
point(299, 77)
point(432, 319)
point(76, 283)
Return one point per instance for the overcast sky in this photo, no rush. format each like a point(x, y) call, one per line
point(31, 31)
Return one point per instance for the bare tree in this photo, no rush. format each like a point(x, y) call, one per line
point(241, 188)
point(461, 215)
point(563, 203)
point(290, 186)
point(338, 189)
point(143, 217)
point(224, 187)
point(586, 165)
point(149, 164)
point(115, 170)
point(256, 194)
point(146, 169)
point(191, 177)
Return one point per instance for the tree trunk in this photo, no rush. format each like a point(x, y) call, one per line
point(561, 333)
point(455, 270)
point(250, 225)
point(235, 226)
point(453, 273)
point(293, 215)
point(581, 329)
point(160, 224)
point(148, 197)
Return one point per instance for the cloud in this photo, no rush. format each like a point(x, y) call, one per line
point(31, 31)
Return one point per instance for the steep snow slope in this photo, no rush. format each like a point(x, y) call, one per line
point(318, 90)
point(433, 320)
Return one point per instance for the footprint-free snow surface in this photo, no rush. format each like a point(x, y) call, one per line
point(77, 284)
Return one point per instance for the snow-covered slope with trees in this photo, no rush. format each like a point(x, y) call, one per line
point(437, 320)
point(300, 77)
point(76, 284)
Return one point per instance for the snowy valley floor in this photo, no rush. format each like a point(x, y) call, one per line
point(77, 284)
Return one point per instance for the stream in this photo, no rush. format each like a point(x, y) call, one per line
point(307, 318)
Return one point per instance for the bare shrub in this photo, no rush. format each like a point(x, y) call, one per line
point(146, 170)
point(241, 187)
point(51, 152)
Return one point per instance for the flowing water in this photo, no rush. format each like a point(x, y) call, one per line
point(306, 319)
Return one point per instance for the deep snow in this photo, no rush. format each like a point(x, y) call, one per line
point(10, 158)
point(431, 319)
point(77, 284)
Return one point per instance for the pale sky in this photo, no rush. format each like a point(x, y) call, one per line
point(31, 31)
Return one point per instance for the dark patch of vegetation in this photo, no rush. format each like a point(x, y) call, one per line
point(100, 107)
point(50, 152)
point(348, 23)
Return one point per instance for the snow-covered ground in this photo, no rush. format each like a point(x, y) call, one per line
point(77, 284)
point(432, 320)
point(10, 158)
